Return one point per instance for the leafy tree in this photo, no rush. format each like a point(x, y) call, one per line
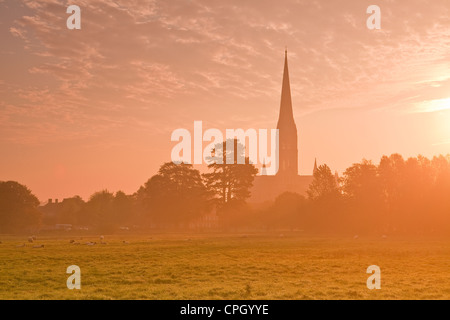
point(287, 210)
point(18, 207)
point(363, 190)
point(174, 196)
point(392, 174)
point(440, 193)
point(123, 208)
point(324, 184)
point(98, 211)
point(70, 209)
point(232, 173)
point(362, 183)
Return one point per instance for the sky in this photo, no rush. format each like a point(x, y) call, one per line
point(93, 109)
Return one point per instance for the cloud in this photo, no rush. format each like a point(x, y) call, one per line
point(135, 59)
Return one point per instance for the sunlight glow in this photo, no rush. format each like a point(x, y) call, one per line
point(433, 105)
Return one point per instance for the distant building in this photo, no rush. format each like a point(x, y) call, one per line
point(50, 210)
point(266, 188)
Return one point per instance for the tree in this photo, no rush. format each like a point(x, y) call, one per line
point(392, 174)
point(363, 193)
point(325, 200)
point(70, 210)
point(324, 184)
point(287, 210)
point(98, 211)
point(361, 182)
point(229, 181)
point(440, 198)
point(176, 195)
point(123, 208)
point(18, 207)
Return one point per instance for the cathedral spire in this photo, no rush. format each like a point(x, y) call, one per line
point(315, 166)
point(286, 115)
point(288, 152)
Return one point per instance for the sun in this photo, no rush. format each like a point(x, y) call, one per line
point(437, 105)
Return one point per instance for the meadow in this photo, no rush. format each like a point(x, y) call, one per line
point(224, 266)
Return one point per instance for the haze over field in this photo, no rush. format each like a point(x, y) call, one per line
point(96, 204)
point(223, 266)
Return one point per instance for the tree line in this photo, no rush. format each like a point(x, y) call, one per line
point(171, 199)
point(397, 196)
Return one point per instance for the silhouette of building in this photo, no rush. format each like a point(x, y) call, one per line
point(267, 187)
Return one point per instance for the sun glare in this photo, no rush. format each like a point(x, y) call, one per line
point(433, 105)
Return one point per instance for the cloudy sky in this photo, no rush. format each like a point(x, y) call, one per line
point(84, 110)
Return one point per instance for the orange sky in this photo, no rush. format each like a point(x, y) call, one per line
point(84, 110)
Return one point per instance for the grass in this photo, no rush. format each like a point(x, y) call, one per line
point(225, 267)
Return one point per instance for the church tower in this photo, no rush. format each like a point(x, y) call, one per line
point(268, 187)
point(288, 152)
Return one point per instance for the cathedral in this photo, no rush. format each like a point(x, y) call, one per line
point(287, 179)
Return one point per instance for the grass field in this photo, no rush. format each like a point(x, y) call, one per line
point(225, 267)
